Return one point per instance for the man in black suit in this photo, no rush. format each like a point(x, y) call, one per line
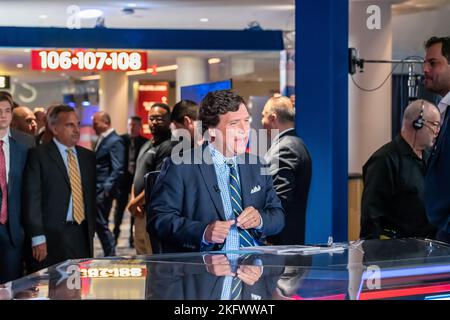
point(59, 194)
point(437, 192)
point(14, 147)
point(110, 156)
point(218, 196)
point(133, 142)
point(290, 166)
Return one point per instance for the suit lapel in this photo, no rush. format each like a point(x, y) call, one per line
point(13, 161)
point(53, 152)
point(83, 167)
point(440, 140)
point(209, 176)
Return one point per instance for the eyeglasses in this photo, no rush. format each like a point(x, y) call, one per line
point(435, 124)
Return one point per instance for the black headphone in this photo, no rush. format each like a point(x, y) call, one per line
point(420, 121)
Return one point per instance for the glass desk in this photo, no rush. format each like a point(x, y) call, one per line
point(371, 269)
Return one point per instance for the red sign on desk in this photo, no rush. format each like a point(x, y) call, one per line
point(88, 60)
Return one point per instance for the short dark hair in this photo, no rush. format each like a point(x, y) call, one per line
point(136, 118)
point(185, 108)
point(161, 105)
point(445, 45)
point(6, 96)
point(217, 103)
point(56, 110)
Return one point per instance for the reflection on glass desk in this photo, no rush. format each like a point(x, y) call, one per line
point(371, 269)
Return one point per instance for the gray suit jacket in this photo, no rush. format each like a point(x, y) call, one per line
point(290, 167)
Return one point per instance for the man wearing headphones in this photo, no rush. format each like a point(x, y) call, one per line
point(392, 202)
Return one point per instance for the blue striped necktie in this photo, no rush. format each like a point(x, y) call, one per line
point(246, 239)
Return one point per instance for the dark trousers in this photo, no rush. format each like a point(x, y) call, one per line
point(73, 243)
point(10, 257)
point(105, 235)
point(121, 203)
point(443, 236)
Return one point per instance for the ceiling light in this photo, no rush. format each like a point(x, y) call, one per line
point(134, 73)
point(204, 19)
point(131, 5)
point(214, 60)
point(90, 13)
point(43, 16)
point(167, 68)
point(88, 78)
point(19, 65)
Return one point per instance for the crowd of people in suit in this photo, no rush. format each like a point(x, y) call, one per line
point(60, 194)
point(55, 195)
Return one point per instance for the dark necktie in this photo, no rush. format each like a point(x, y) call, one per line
point(246, 239)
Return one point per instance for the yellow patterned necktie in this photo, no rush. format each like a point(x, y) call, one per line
point(77, 189)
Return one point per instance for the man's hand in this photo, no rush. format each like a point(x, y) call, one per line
point(249, 218)
point(217, 231)
point(40, 251)
point(218, 265)
point(134, 208)
point(249, 274)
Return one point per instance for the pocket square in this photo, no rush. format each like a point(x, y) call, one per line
point(255, 189)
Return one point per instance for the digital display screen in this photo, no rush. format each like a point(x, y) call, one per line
point(197, 92)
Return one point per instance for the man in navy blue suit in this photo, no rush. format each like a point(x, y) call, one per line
point(437, 192)
point(216, 196)
point(14, 147)
point(110, 156)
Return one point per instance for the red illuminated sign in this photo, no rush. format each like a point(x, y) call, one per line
point(88, 60)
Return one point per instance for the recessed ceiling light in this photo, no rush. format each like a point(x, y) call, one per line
point(19, 65)
point(43, 16)
point(131, 5)
point(204, 19)
point(214, 60)
point(90, 13)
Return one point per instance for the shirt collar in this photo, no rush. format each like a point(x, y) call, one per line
point(281, 133)
point(6, 137)
point(444, 103)
point(219, 158)
point(404, 147)
point(107, 132)
point(62, 148)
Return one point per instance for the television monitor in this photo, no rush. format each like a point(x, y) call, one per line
point(197, 92)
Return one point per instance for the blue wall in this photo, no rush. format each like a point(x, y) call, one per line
point(322, 112)
point(141, 39)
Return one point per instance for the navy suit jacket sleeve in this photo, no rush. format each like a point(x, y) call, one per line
point(273, 213)
point(166, 208)
point(437, 191)
point(117, 155)
point(32, 195)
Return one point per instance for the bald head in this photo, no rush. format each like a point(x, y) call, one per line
point(101, 122)
point(425, 136)
point(414, 109)
point(24, 120)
